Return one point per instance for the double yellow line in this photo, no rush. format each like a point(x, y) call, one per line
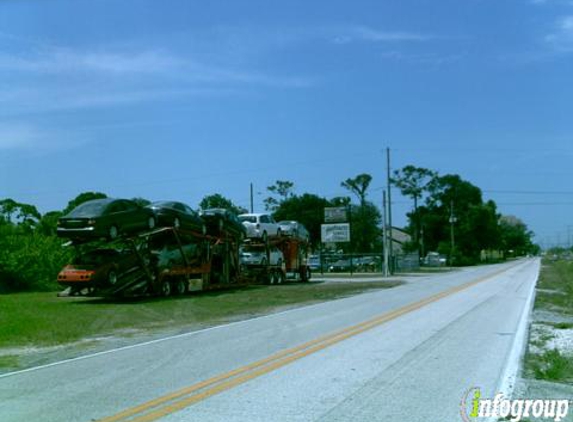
point(178, 400)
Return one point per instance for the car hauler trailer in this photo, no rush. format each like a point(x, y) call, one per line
point(173, 261)
point(159, 262)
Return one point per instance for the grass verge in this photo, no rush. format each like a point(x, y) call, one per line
point(42, 319)
point(551, 366)
point(555, 295)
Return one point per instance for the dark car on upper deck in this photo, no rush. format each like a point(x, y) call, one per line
point(105, 218)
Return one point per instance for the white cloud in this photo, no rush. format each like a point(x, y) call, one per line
point(562, 38)
point(30, 137)
point(349, 34)
point(52, 79)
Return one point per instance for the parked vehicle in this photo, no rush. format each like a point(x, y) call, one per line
point(100, 268)
point(367, 263)
point(260, 225)
point(220, 221)
point(105, 218)
point(434, 259)
point(342, 265)
point(257, 255)
point(178, 215)
point(294, 229)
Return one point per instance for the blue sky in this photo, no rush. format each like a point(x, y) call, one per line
point(181, 99)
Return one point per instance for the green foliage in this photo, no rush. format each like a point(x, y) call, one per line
point(364, 228)
point(358, 186)
point(17, 213)
point(515, 238)
point(413, 182)
point(282, 188)
point(49, 223)
point(29, 261)
point(552, 366)
point(454, 203)
point(219, 201)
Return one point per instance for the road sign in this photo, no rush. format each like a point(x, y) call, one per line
point(335, 215)
point(335, 233)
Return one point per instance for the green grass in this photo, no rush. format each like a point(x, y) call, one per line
point(556, 276)
point(9, 361)
point(42, 319)
point(551, 366)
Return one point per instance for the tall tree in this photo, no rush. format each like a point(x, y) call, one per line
point(413, 182)
point(457, 221)
point(516, 238)
point(284, 190)
point(13, 212)
point(358, 186)
point(364, 218)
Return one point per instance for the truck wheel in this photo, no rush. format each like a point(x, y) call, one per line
point(165, 288)
point(279, 277)
point(181, 287)
point(112, 277)
point(113, 232)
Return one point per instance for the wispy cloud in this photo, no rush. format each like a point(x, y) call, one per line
point(561, 39)
point(368, 34)
point(61, 78)
point(29, 137)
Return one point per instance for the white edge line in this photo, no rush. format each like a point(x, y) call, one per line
point(513, 363)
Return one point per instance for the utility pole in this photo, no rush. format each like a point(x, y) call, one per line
point(390, 247)
point(252, 208)
point(385, 234)
point(452, 221)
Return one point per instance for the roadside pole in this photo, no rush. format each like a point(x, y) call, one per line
point(385, 234)
point(390, 251)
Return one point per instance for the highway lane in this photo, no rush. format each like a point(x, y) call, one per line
point(413, 364)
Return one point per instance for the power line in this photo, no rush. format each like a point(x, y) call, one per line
point(530, 192)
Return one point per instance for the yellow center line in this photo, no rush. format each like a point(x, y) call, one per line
point(178, 400)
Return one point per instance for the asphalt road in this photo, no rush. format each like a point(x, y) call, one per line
point(405, 354)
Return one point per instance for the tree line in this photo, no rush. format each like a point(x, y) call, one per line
point(445, 208)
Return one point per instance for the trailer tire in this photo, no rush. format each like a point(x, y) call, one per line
point(180, 287)
point(279, 277)
point(113, 232)
point(112, 277)
point(165, 288)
